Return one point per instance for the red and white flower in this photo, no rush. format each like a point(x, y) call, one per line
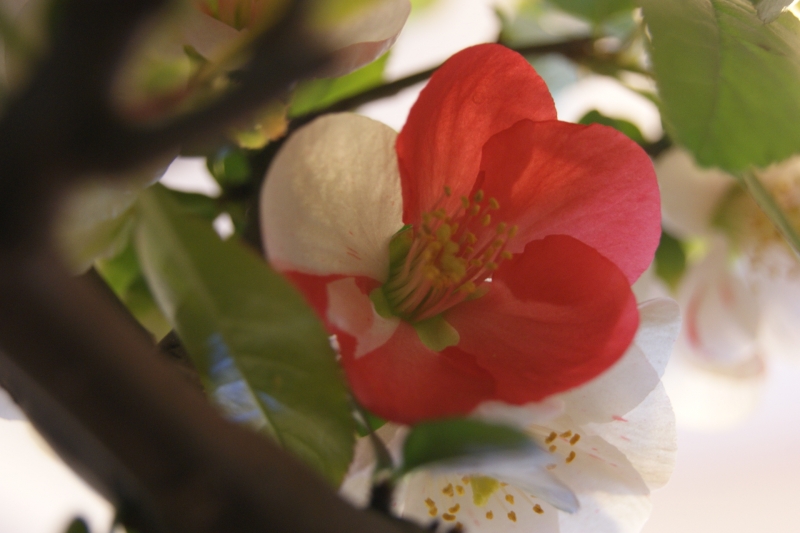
point(483, 254)
point(606, 445)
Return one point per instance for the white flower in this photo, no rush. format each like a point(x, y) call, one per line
point(609, 443)
point(740, 294)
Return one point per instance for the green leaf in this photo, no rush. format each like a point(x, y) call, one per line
point(454, 439)
point(594, 10)
point(230, 167)
point(769, 10)
point(728, 82)
point(263, 354)
point(314, 95)
point(78, 526)
point(670, 259)
point(628, 128)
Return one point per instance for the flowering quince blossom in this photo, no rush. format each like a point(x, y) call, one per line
point(610, 441)
point(741, 298)
point(562, 218)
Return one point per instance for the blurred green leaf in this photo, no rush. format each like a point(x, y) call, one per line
point(536, 22)
point(124, 275)
point(454, 439)
point(769, 10)
point(728, 82)
point(197, 204)
point(230, 166)
point(595, 10)
point(260, 349)
point(78, 526)
point(670, 260)
point(314, 95)
point(628, 128)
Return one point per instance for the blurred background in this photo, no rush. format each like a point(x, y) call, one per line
point(737, 462)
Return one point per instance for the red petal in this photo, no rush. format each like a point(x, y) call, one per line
point(590, 182)
point(478, 92)
point(555, 317)
point(406, 382)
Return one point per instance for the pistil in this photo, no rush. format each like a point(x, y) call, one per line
point(446, 259)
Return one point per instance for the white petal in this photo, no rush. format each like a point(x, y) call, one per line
point(720, 312)
point(520, 416)
point(352, 311)
point(659, 324)
point(366, 35)
point(332, 199)
point(628, 382)
point(689, 195)
point(646, 436)
point(613, 496)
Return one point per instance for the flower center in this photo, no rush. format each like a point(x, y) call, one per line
point(446, 259)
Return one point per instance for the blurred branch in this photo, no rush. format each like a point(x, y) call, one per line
point(90, 380)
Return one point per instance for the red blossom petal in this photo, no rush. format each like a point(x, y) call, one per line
point(590, 182)
point(555, 317)
point(478, 92)
point(406, 382)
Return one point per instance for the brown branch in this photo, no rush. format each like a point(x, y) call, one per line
point(91, 381)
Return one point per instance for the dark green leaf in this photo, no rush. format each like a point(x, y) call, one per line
point(314, 95)
point(595, 10)
point(628, 128)
point(78, 526)
point(728, 82)
point(230, 167)
point(262, 352)
point(454, 439)
point(670, 259)
point(197, 204)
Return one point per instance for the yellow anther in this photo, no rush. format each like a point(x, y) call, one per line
point(460, 491)
point(465, 202)
point(448, 191)
point(469, 287)
point(448, 490)
point(510, 499)
point(471, 238)
point(497, 243)
point(469, 250)
point(431, 272)
point(512, 516)
point(506, 254)
point(501, 228)
point(493, 203)
point(430, 503)
point(449, 517)
point(465, 480)
point(433, 511)
point(478, 196)
point(551, 437)
point(489, 515)
point(454, 509)
point(444, 232)
point(552, 448)
point(566, 434)
point(475, 262)
point(440, 213)
point(474, 210)
point(550, 466)
point(574, 439)
point(503, 484)
point(486, 220)
point(491, 265)
point(513, 230)
point(451, 247)
point(571, 457)
point(538, 509)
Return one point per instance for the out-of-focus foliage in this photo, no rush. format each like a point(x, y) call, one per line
point(670, 260)
point(595, 10)
point(314, 95)
point(77, 526)
point(628, 128)
point(728, 82)
point(261, 351)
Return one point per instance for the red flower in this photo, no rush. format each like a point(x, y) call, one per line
point(512, 282)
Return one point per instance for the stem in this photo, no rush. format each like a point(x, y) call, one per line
point(771, 208)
